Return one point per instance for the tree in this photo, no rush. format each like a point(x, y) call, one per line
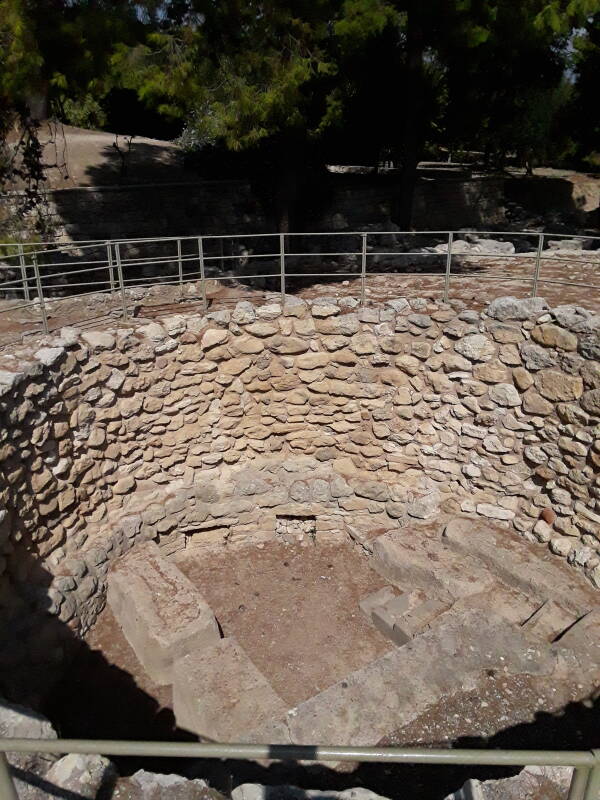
point(255, 75)
point(584, 117)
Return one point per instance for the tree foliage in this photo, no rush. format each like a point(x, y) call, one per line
point(290, 83)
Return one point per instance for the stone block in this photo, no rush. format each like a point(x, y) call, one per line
point(376, 599)
point(219, 694)
point(520, 564)
point(161, 613)
point(549, 621)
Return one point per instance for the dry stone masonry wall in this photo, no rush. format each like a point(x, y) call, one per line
point(305, 420)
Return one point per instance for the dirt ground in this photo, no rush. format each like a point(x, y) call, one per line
point(294, 610)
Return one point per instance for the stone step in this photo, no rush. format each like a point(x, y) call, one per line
point(414, 560)
point(530, 568)
point(375, 600)
point(400, 617)
point(219, 694)
point(392, 691)
point(414, 620)
point(584, 637)
point(161, 612)
point(549, 621)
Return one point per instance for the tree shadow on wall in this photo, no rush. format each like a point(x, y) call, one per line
point(45, 668)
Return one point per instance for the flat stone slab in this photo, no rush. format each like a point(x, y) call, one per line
point(412, 560)
point(219, 694)
point(530, 569)
point(161, 612)
point(549, 621)
point(584, 637)
point(393, 690)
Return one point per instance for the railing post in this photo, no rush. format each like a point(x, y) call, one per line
point(448, 267)
point(121, 281)
point(282, 266)
point(8, 790)
point(180, 267)
point(538, 264)
point(202, 276)
point(38, 286)
point(111, 268)
point(23, 265)
point(578, 783)
point(363, 269)
point(592, 789)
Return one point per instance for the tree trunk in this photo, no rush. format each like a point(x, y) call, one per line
point(413, 128)
point(286, 187)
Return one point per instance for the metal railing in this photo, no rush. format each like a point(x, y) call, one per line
point(585, 783)
point(38, 274)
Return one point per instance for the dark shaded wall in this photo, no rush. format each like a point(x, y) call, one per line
point(341, 203)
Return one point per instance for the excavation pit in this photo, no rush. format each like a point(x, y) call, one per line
point(443, 462)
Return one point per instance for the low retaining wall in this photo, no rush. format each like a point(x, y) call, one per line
point(208, 429)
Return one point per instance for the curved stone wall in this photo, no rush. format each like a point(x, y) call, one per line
point(218, 430)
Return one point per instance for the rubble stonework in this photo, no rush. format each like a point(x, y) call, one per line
point(201, 431)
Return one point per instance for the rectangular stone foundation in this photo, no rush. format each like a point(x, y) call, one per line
point(219, 694)
point(162, 614)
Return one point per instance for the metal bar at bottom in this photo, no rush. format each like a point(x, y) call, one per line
point(363, 270)
point(180, 266)
point(538, 264)
point(282, 266)
point(397, 755)
point(578, 783)
point(111, 267)
point(121, 281)
point(202, 277)
point(38, 286)
point(23, 265)
point(8, 789)
point(448, 267)
point(592, 789)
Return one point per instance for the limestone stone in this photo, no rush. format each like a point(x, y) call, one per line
point(312, 361)
point(555, 385)
point(322, 310)
point(244, 313)
point(505, 395)
point(424, 507)
point(363, 344)
point(552, 336)
point(522, 378)
point(247, 345)
point(212, 678)
point(213, 337)
point(287, 345)
point(590, 402)
point(504, 308)
point(143, 785)
point(159, 632)
point(82, 776)
point(534, 403)
point(50, 355)
point(98, 340)
point(561, 545)
point(536, 357)
point(491, 372)
point(494, 512)
point(408, 364)
point(475, 347)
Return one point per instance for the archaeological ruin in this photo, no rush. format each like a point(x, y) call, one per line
point(305, 522)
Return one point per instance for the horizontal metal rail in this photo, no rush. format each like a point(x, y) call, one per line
point(117, 266)
point(585, 784)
